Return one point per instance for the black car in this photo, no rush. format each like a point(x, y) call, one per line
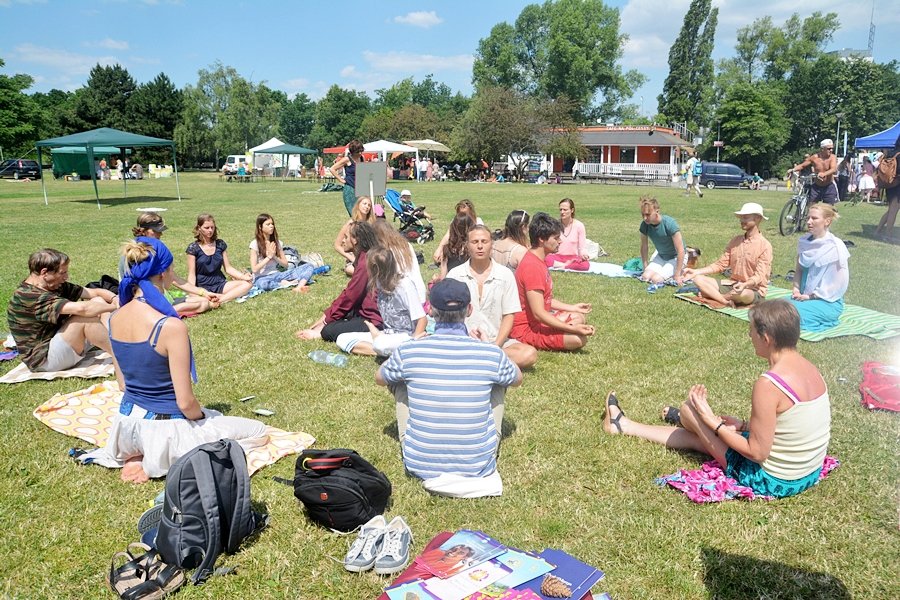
point(20, 168)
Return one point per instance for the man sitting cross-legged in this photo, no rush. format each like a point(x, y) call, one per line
point(546, 323)
point(52, 329)
point(495, 298)
point(448, 420)
point(749, 256)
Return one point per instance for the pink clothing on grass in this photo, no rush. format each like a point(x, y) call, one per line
point(571, 247)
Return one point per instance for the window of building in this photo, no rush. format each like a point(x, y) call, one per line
point(627, 154)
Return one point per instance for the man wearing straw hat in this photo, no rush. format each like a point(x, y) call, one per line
point(749, 256)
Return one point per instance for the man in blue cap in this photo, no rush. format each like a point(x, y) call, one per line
point(448, 419)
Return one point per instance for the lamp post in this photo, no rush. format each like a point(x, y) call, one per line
point(837, 138)
point(642, 107)
point(718, 139)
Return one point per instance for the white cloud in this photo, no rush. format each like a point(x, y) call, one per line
point(9, 3)
point(419, 19)
point(295, 84)
point(412, 62)
point(62, 60)
point(109, 44)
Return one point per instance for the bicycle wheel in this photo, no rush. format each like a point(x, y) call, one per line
point(790, 216)
point(803, 211)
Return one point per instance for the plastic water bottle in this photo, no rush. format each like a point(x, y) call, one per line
point(651, 289)
point(329, 358)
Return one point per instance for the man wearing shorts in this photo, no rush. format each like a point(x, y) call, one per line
point(52, 329)
point(749, 256)
point(669, 259)
point(546, 323)
point(824, 163)
point(495, 298)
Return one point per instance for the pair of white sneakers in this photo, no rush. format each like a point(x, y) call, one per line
point(382, 545)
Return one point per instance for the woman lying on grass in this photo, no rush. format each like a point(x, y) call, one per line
point(159, 417)
point(780, 450)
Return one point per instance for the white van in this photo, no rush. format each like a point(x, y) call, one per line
point(234, 161)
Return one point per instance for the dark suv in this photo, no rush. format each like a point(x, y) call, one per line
point(20, 168)
point(724, 175)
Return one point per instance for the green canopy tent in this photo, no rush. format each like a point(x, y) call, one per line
point(284, 150)
point(69, 160)
point(105, 136)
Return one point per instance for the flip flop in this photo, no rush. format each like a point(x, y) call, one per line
point(672, 416)
point(611, 400)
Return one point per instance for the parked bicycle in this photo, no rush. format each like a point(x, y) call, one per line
point(795, 212)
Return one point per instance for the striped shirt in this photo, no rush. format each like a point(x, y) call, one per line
point(451, 427)
point(35, 315)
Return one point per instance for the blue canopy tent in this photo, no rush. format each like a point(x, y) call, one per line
point(883, 139)
point(105, 136)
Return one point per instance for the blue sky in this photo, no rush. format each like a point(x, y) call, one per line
point(308, 46)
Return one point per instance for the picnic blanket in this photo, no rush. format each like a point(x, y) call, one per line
point(855, 320)
point(709, 483)
point(605, 269)
point(88, 415)
point(95, 363)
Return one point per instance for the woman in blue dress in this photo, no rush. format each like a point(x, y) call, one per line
point(207, 257)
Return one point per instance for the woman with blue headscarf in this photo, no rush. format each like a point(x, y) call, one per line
point(159, 417)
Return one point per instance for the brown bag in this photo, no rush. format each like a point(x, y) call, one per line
point(886, 175)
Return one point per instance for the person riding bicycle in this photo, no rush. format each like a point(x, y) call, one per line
point(824, 187)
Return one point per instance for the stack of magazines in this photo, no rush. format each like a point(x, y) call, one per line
point(471, 565)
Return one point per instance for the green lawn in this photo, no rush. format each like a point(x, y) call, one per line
point(567, 485)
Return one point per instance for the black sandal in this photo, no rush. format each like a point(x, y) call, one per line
point(611, 400)
point(672, 416)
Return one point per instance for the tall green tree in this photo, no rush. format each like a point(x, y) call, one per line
point(561, 48)
point(19, 113)
point(297, 118)
point(155, 108)
point(103, 101)
point(688, 88)
point(754, 125)
point(193, 134)
point(796, 43)
point(502, 121)
point(338, 117)
point(57, 113)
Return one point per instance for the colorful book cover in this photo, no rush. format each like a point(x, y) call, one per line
point(578, 576)
point(524, 566)
point(464, 549)
point(466, 583)
point(411, 590)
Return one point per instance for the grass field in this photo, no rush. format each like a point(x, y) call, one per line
point(567, 485)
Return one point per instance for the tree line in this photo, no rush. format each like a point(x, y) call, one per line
point(535, 80)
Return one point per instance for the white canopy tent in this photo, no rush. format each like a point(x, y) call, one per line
point(262, 160)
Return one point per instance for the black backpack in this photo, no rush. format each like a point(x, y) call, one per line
point(206, 510)
point(340, 489)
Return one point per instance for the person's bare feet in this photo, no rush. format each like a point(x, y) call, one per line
point(613, 423)
point(307, 334)
point(301, 289)
point(133, 471)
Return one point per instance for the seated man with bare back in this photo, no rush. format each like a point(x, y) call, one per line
point(824, 162)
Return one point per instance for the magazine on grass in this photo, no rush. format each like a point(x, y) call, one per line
point(411, 590)
point(576, 575)
point(464, 549)
point(466, 583)
point(524, 566)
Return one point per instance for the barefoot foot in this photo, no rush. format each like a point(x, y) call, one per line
point(133, 471)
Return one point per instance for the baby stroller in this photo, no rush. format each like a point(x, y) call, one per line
point(414, 225)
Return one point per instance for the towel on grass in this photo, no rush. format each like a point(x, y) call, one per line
point(709, 483)
point(605, 269)
point(855, 320)
point(96, 363)
point(88, 414)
